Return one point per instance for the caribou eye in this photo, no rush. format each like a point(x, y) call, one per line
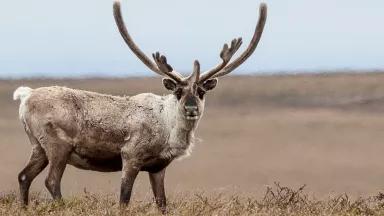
point(179, 93)
point(201, 93)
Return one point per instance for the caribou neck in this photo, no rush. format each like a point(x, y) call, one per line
point(181, 136)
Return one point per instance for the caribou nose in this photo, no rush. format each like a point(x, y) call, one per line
point(191, 110)
point(191, 106)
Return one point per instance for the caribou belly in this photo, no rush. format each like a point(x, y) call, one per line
point(105, 164)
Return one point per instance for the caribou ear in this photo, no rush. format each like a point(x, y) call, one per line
point(210, 84)
point(169, 84)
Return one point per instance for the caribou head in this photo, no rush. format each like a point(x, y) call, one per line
point(190, 91)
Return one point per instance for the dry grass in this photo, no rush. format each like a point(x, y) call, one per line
point(277, 200)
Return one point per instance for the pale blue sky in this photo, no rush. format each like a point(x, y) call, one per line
point(79, 38)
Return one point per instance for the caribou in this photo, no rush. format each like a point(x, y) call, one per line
point(106, 133)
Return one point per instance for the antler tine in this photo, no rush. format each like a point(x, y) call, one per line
point(226, 54)
point(135, 49)
point(252, 46)
point(195, 76)
point(164, 67)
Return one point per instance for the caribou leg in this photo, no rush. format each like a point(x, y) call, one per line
point(157, 183)
point(58, 161)
point(129, 173)
point(37, 162)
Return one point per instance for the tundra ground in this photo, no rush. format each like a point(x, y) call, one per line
point(277, 200)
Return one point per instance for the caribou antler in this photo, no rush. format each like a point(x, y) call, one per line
point(223, 69)
point(226, 54)
point(159, 67)
point(164, 67)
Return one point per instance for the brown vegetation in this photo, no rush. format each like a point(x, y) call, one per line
point(277, 200)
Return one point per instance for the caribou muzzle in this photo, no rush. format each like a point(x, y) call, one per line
point(191, 108)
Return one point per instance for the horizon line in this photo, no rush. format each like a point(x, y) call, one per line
point(128, 76)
